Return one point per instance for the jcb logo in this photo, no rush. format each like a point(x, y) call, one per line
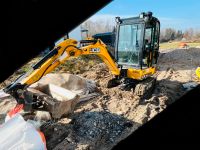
point(95, 50)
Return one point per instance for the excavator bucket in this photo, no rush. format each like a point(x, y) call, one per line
point(59, 93)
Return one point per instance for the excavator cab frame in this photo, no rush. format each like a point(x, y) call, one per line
point(137, 42)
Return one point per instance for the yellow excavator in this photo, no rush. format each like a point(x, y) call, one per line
point(133, 66)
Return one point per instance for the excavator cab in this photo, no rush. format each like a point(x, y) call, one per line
point(136, 52)
point(137, 41)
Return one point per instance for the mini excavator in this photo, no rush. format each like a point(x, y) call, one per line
point(133, 66)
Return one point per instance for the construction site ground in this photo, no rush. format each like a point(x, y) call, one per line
point(102, 122)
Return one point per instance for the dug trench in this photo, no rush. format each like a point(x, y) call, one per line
point(102, 122)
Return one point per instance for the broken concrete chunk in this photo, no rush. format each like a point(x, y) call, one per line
point(71, 82)
point(65, 100)
point(85, 88)
point(59, 93)
point(58, 101)
point(42, 116)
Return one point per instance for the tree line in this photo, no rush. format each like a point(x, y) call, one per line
point(166, 35)
point(170, 34)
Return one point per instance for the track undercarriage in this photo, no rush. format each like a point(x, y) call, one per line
point(143, 88)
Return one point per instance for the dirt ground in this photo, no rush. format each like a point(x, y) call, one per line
point(103, 121)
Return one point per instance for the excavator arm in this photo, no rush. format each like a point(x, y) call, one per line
point(66, 50)
point(60, 54)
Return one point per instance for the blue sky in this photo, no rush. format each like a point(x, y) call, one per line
point(179, 14)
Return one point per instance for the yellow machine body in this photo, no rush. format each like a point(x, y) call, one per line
point(136, 53)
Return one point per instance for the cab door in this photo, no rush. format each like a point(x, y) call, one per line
point(151, 44)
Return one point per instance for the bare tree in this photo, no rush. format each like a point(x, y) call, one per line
point(168, 34)
point(179, 35)
point(189, 34)
point(99, 26)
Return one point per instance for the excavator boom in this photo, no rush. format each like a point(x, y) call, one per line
point(68, 49)
point(60, 54)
